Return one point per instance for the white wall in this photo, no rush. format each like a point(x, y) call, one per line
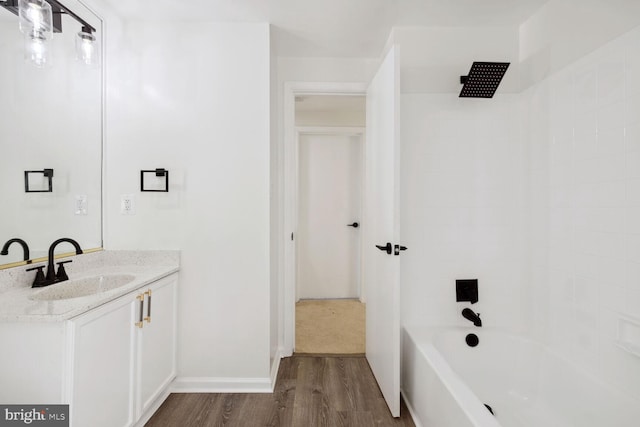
point(563, 31)
point(195, 100)
point(331, 118)
point(584, 144)
point(462, 185)
point(581, 121)
point(275, 307)
point(326, 69)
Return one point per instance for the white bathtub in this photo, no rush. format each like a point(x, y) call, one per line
point(447, 383)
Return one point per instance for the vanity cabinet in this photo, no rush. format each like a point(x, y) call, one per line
point(124, 356)
point(102, 391)
point(156, 345)
point(112, 364)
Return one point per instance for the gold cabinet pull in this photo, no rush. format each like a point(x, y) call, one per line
point(140, 323)
point(148, 317)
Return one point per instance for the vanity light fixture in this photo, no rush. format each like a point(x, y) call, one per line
point(39, 19)
point(36, 23)
point(86, 46)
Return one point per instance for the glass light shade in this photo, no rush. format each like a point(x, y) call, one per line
point(35, 49)
point(87, 48)
point(36, 18)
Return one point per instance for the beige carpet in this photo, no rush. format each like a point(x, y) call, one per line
point(330, 326)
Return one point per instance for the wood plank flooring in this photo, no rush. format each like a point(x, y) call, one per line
point(310, 391)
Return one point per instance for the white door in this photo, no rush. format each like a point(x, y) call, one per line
point(381, 226)
point(330, 177)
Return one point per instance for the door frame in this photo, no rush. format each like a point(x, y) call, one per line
point(349, 131)
point(290, 198)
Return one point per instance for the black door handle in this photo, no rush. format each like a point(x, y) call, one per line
point(354, 225)
point(388, 248)
point(398, 248)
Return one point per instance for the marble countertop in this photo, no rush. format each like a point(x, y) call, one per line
point(16, 304)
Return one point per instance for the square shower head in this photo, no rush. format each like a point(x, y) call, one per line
point(483, 79)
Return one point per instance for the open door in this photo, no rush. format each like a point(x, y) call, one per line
point(381, 266)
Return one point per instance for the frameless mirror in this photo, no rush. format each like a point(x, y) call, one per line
point(50, 119)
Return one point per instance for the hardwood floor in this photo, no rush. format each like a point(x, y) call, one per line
point(310, 391)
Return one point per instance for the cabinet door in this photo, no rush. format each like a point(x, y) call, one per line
point(157, 342)
point(102, 388)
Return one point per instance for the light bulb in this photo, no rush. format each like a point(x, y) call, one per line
point(86, 48)
point(35, 17)
point(34, 14)
point(36, 49)
point(36, 22)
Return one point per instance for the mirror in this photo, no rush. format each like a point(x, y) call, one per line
point(50, 118)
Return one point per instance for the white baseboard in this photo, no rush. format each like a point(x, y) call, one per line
point(229, 385)
point(221, 385)
point(416, 420)
point(275, 365)
point(153, 408)
point(286, 353)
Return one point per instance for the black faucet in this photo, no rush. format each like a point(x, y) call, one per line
point(25, 248)
point(469, 314)
point(51, 270)
point(51, 277)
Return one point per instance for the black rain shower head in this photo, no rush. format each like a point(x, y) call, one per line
point(483, 79)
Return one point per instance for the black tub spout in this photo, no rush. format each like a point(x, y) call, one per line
point(469, 314)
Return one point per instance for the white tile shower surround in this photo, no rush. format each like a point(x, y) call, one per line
point(584, 142)
point(462, 207)
point(538, 196)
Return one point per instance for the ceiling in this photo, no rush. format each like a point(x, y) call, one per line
point(331, 28)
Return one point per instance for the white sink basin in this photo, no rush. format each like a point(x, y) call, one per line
point(82, 287)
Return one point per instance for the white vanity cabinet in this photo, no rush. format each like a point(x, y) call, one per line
point(124, 356)
point(112, 364)
point(103, 365)
point(156, 345)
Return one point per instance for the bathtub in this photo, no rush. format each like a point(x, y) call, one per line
point(447, 383)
